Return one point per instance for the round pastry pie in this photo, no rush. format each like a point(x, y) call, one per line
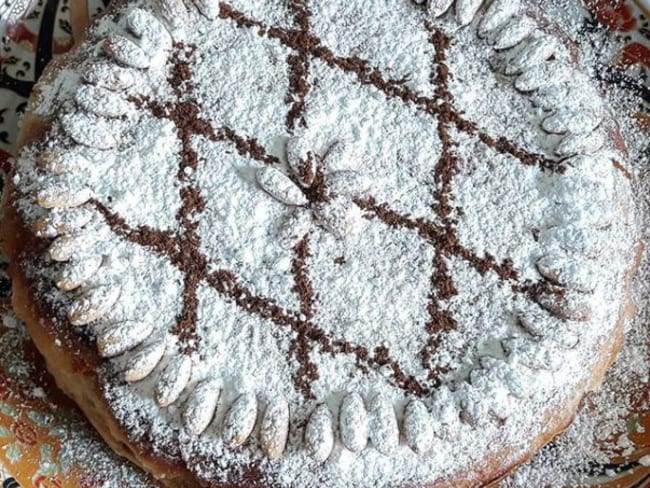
point(342, 243)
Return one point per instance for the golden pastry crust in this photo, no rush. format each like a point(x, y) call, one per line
point(79, 19)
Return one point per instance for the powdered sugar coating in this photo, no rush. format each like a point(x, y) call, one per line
point(353, 422)
point(498, 203)
point(274, 428)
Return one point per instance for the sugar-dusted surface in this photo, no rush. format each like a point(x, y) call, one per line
point(339, 284)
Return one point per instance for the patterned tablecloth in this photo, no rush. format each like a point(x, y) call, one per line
point(44, 441)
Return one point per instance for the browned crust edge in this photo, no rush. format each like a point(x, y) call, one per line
point(72, 364)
